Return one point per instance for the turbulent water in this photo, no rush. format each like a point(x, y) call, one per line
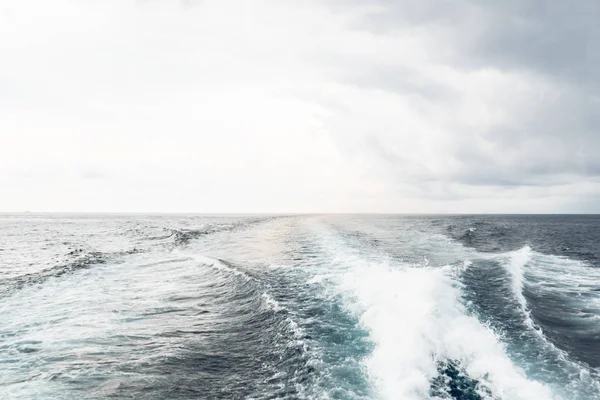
point(299, 307)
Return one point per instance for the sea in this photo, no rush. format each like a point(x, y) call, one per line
point(408, 307)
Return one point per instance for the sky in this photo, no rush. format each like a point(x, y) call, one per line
point(287, 106)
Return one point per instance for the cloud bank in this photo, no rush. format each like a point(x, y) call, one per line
point(312, 106)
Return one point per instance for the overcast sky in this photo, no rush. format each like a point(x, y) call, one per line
point(300, 106)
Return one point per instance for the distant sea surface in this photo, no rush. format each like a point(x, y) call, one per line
point(299, 307)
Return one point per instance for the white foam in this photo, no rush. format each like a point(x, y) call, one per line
point(217, 264)
point(543, 274)
point(517, 261)
point(516, 265)
point(557, 275)
point(319, 278)
point(561, 274)
point(271, 302)
point(415, 318)
point(298, 332)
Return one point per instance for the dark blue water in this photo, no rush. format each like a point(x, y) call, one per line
point(299, 307)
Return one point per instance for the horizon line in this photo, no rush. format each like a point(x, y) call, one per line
point(277, 213)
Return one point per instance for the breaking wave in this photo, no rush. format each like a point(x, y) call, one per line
point(425, 342)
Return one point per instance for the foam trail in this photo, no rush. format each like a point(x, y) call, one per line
point(416, 319)
point(540, 270)
point(516, 267)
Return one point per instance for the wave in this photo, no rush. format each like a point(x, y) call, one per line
point(200, 327)
point(417, 321)
point(518, 260)
point(516, 267)
point(546, 278)
point(339, 314)
point(79, 259)
point(220, 265)
point(540, 309)
point(560, 300)
point(422, 333)
point(182, 237)
point(83, 260)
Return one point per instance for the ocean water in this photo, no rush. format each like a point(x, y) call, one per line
point(299, 307)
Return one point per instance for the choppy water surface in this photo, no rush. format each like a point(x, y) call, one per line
point(299, 307)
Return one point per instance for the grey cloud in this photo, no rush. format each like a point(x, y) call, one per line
point(554, 37)
point(561, 38)
point(476, 169)
point(556, 140)
point(400, 80)
point(387, 16)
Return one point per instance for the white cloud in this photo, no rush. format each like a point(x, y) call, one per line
point(277, 106)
